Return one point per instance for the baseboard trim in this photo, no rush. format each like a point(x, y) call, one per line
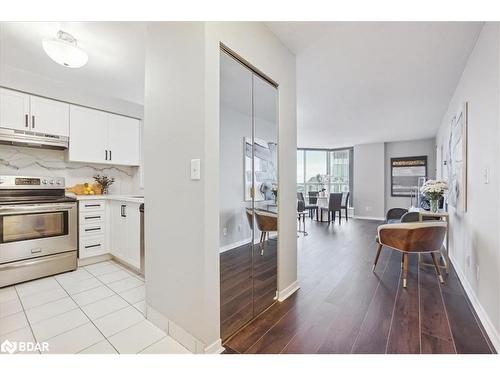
point(215, 347)
point(369, 218)
point(180, 335)
point(489, 327)
point(234, 245)
point(288, 291)
point(95, 259)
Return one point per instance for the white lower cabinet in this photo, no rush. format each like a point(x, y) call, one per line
point(92, 222)
point(125, 231)
point(110, 226)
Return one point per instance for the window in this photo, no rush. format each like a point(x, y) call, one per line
point(313, 165)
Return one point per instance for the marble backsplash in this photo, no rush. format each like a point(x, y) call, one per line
point(24, 161)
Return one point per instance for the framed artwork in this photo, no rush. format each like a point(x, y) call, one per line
point(405, 173)
point(457, 160)
point(263, 172)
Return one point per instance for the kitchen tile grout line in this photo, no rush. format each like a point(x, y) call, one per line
point(24, 312)
point(78, 306)
point(91, 321)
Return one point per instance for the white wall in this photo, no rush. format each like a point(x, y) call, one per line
point(369, 181)
point(182, 123)
point(421, 147)
point(474, 241)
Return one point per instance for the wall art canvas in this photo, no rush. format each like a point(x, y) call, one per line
point(457, 161)
point(264, 169)
point(405, 174)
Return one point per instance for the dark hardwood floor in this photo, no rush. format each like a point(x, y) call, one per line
point(344, 307)
point(247, 284)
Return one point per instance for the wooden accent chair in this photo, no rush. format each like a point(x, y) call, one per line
point(266, 222)
point(249, 212)
point(409, 238)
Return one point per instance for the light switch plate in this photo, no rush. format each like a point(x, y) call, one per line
point(195, 169)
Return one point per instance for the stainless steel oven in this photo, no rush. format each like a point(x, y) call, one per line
point(38, 228)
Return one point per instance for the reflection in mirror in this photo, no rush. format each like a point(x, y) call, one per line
point(236, 223)
point(249, 190)
point(266, 193)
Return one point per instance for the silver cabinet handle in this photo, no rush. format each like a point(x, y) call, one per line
point(110, 157)
point(27, 120)
point(33, 122)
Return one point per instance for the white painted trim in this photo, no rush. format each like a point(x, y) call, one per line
point(369, 218)
point(234, 245)
point(288, 291)
point(215, 347)
point(489, 327)
point(180, 335)
point(95, 259)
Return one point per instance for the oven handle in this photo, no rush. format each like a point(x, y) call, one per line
point(35, 208)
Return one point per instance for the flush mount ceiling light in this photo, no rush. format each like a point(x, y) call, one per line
point(64, 50)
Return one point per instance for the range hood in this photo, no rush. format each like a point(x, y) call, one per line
point(33, 139)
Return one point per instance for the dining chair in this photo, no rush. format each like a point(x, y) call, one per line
point(407, 238)
point(394, 215)
point(301, 217)
point(334, 206)
point(311, 208)
point(345, 203)
point(266, 222)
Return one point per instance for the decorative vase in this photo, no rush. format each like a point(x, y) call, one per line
point(434, 205)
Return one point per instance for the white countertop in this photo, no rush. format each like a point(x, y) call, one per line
point(123, 198)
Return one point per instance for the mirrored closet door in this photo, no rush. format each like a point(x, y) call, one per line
point(248, 189)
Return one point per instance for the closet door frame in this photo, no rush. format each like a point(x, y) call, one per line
point(259, 74)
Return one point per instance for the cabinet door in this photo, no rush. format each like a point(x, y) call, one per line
point(14, 109)
point(49, 116)
point(124, 140)
point(133, 234)
point(118, 231)
point(87, 142)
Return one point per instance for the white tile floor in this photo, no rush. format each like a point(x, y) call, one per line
point(98, 309)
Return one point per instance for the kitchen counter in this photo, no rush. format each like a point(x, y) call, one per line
point(110, 197)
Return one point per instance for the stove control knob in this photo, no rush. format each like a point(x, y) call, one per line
point(2, 181)
point(52, 182)
point(44, 182)
point(58, 182)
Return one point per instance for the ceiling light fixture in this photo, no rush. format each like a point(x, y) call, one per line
point(64, 50)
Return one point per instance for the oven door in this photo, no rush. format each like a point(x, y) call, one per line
point(34, 230)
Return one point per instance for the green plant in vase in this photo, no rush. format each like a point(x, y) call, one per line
point(434, 190)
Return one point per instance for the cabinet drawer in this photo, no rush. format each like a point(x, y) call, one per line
point(87, 230)
point(91, 205)
point(92, 246)
point(91, 217)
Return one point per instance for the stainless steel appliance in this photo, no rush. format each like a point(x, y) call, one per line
point(33, 139)
point(38, 228)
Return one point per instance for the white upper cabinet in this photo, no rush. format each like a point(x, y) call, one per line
point(14, 110)
point(124, 140)
point(101, 137)
point(49, 116)
point(88, 133)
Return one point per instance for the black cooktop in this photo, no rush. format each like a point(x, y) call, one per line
point(35, 196)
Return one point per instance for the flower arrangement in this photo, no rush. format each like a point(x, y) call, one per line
point(434, 190)
point(104, 181)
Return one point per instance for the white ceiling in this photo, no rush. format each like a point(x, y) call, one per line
point(363, 82)
point(116, 55)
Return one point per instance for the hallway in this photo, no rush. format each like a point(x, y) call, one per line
point(342, 307)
